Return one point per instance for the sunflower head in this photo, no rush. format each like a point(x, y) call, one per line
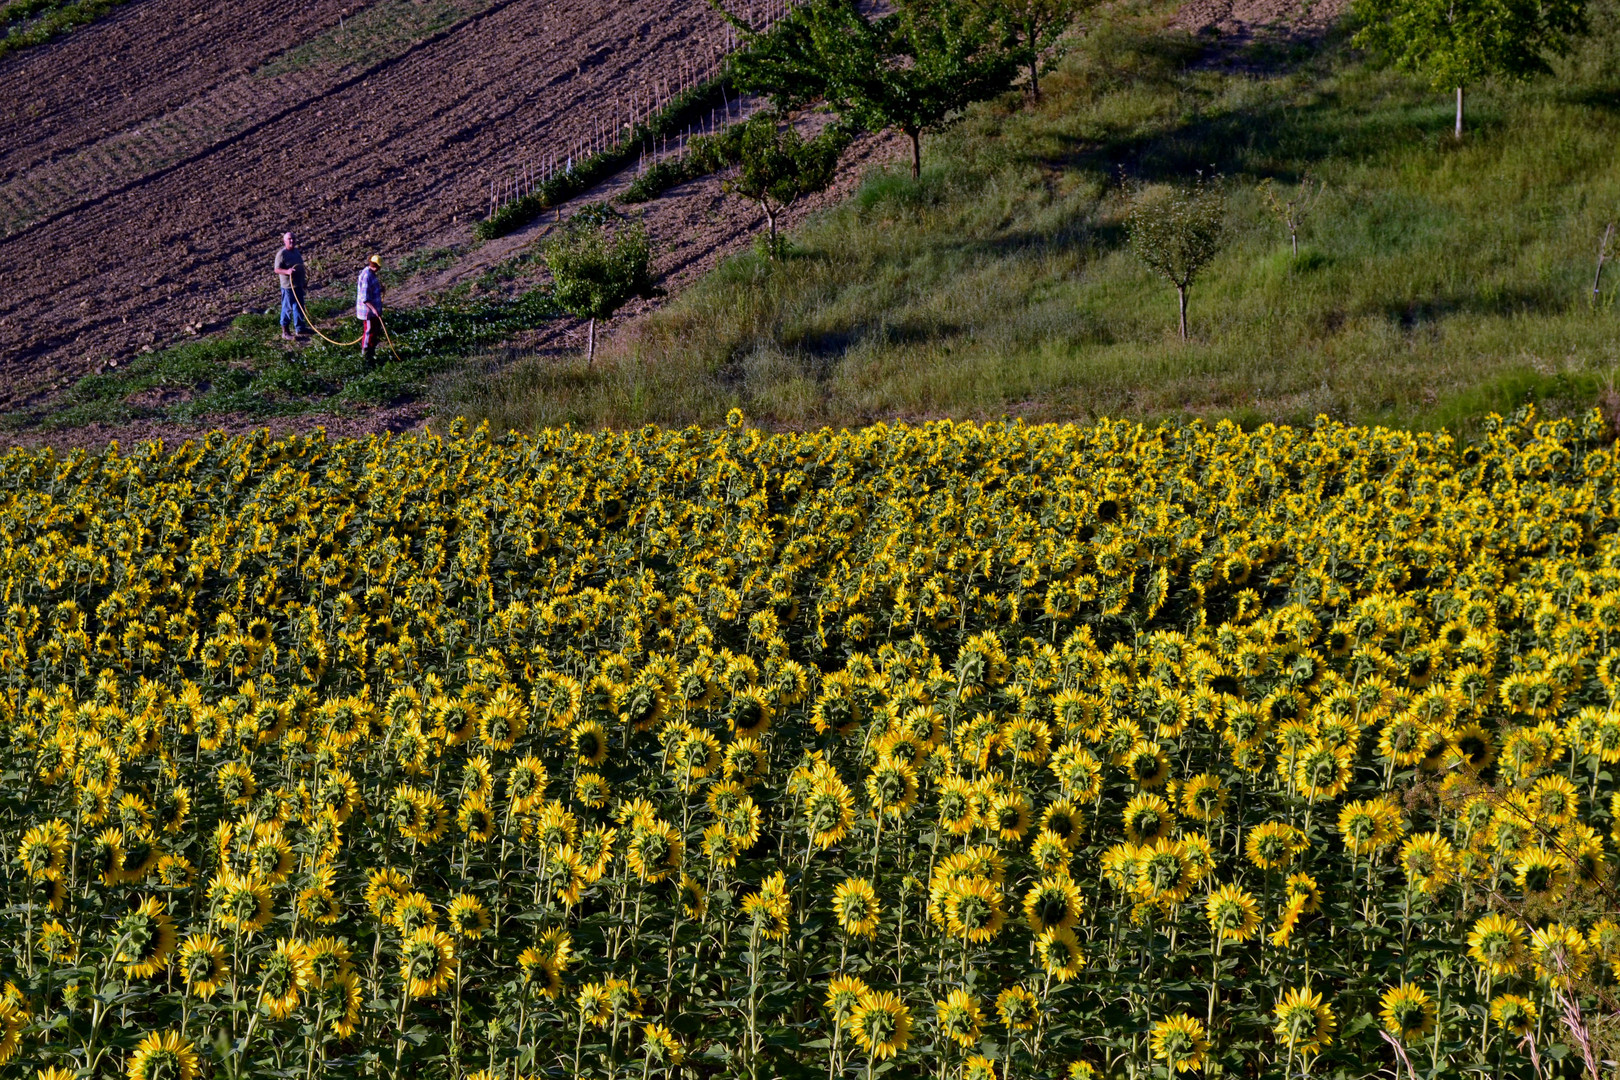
point(1180, 1042)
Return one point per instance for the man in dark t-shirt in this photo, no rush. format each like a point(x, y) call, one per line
point(290, 275)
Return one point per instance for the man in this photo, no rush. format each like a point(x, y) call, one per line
point(368, 307)
point(290, 275)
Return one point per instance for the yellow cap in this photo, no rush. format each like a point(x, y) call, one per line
point(376, 260)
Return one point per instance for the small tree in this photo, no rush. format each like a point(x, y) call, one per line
point(1178, 232)
point(1456, 43)
point(596, 269)
point(776, 166)
point(912, 68)
point(1038, 24)
point(1292, 211)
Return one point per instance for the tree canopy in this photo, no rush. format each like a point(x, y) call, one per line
point(596, 268)
point(912, 68)
point(1457, 43)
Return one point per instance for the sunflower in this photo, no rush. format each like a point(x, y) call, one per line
point(891, 788)
point(978, 1067)
point(163, 1056)
point(1430, 862)
point(240, 903)
point(412, 912)
point(145, 938)
point(1018, 1008)
point(829, 812)
point(1060, 954)
point(959, 1018)
point(41, 851)
point(426, 962)
point(1304, 1023)
point(769, 906)
point(844, 995)
point(57, 943)
point(1514, 1013)
point(339, 1000)
point(855, 904)
point(1408, 1012)
point(1322, 771)
point(1304, 885)
point(693, 897)
point(283, 976)
point(655, 851)
point(1147, 764)
point(589, 742)
point(325, 958)
point(1164, 874)
point(1540, 875)
point(595, 1007)
point(1204, 797)
point(1233, 914)
point(1180, 1042)
point(1052, 902)
point(661, 1046)
point(202, 964)
point(1274, 845)
point(541, 972)
point(881, 1024)
point(474, 818)
point(973, 910)
point(1148, 817)
point(467, 918)
point(1559, 955)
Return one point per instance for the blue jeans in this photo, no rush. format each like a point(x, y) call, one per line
point(290, 312)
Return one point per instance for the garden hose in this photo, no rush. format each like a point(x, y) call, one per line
point(309, 322)
point(345, 344)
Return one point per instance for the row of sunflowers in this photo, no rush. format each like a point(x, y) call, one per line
point(968, 752)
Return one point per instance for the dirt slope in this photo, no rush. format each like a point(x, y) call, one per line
point(367, 148)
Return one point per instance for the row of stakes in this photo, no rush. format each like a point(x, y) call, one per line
point(612, 129)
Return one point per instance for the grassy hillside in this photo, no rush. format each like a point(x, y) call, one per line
point(1435, 280)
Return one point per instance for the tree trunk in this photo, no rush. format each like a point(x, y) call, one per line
point(916, 154)
point(770, 221)
point(1034, 76)
point(1181, 299)
point(590, 339)
point(1459, 113)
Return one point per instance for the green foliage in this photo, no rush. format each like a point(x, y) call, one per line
point(34, 22)
point(1177, 232)
point(1431, 288)
point(597, 268)
point(912, 68)
point(590, 171)
point(660, 177)
point(249, 371)
point(1039, 26)
point(776, 166)
point(1457, 43)
point(1460, 42)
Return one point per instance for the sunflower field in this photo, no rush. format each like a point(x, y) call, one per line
point(953, 751)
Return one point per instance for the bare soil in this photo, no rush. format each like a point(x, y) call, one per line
point(357, 151)
point(1244, 20)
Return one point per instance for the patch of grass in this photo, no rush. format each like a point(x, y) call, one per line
point(373, 33)
point(421, 262)
point(34, 22)
point(249, 370)
point(1436, 281)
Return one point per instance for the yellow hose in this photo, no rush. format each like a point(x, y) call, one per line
point(309, 322)
point(345, 344)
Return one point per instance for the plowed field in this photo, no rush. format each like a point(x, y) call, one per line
point(149, 162)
